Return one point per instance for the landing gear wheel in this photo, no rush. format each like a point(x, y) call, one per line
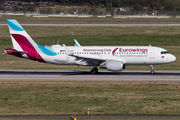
point(152, 72)
point(152, 69)
point(94, 71)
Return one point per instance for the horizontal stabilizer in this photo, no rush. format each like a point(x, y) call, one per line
point(12, 50)
point(15, 51)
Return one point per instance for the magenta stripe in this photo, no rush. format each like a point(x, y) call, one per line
point(27, 47)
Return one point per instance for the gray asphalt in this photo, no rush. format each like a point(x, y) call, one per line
point(75, 75)
point(96, 24)
point(95, 116)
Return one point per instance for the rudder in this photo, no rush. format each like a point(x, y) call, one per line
point(19, 36)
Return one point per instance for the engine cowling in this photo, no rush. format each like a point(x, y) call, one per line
point(113, 66)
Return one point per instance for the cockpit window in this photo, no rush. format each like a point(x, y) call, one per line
point(164, 52)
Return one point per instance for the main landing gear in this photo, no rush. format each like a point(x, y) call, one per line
point(94, 70)
point(152, 69)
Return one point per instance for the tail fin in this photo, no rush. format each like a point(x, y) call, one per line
point(19, 36)
point(22, 41)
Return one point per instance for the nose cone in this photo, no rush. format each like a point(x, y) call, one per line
point(173, 58)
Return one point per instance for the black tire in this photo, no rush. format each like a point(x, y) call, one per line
point(152, 72)
point(94, 71)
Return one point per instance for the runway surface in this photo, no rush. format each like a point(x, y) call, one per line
point(94, 116)
point(96, 24)
point(75, 75)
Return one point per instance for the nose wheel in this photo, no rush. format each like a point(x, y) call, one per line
point(94, 71)
point(152, 69)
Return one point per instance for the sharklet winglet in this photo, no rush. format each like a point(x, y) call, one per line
point(77, 44)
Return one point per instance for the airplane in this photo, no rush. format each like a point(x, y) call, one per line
point(112, 58)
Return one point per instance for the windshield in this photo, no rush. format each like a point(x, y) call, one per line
point(164, 52)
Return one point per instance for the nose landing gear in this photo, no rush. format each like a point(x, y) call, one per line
point(152, 69)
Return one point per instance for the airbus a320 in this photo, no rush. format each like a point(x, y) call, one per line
point(112, 58)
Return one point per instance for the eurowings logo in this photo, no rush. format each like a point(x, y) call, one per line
point(113, 52)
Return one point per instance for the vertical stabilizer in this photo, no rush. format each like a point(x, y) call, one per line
point(22, 41)
point(18, 35)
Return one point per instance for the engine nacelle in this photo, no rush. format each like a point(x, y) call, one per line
point(113, 66)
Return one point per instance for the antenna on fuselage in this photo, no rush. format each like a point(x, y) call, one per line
point(149, 45)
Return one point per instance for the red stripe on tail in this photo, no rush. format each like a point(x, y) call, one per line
point(27, 47)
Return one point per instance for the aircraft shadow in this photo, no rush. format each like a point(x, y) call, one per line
point(76, 72)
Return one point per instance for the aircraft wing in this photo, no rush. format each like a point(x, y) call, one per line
point(85, 57)
point(92, 57)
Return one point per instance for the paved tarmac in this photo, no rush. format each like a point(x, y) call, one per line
point(93, 116)
point(75, 75)
point(96, 24)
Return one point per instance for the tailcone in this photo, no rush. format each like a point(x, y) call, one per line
point(4, 52)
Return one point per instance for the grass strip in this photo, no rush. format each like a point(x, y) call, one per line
point(74, 98)
point(89, 20)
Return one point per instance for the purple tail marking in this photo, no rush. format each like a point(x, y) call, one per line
point(27, 47)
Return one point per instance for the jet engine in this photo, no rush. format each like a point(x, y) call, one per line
point(113, 66)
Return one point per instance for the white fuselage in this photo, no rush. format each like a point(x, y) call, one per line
point(129, 55)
